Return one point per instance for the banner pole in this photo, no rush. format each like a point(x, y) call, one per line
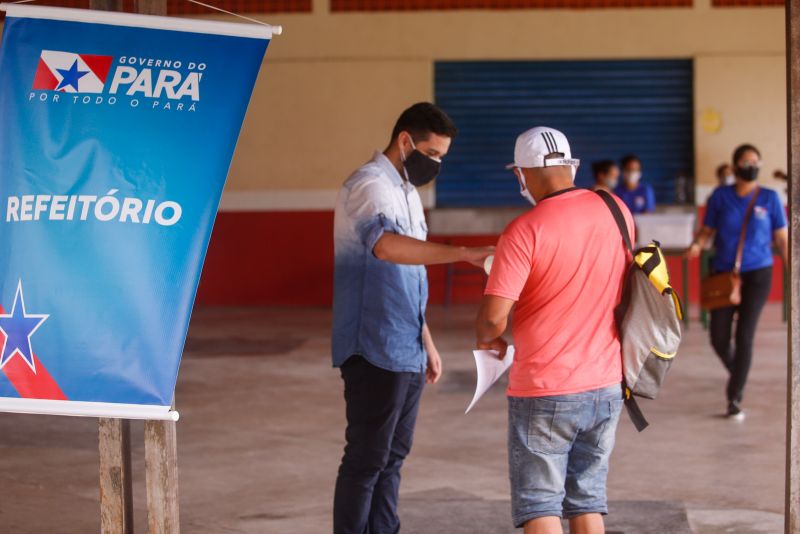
point(151, 7)
point(160, 438)
point(116, 490)
point(116, 499)
point(116, 494)
point(792, 521)
point(161, 465)
point(106, 5)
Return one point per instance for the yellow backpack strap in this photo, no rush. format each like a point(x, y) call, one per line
point(652, 262)
point(648, 258)
point(678, 305)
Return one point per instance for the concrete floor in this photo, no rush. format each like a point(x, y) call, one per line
point(261, 434)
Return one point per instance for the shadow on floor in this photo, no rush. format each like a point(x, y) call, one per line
point(456, 512)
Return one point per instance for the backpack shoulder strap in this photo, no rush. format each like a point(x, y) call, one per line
point(635, 413)
point(619, 218)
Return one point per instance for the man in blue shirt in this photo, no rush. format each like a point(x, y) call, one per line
point(638, 196)
point(380, 340)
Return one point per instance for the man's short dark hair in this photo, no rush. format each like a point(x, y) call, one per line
point(741, 149)
point(721, 168)
point(602, 167)
point(423, 119)
point(629, 158)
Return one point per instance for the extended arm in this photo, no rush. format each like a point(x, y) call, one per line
point(700, 241)
point(409, 251)
point(368, 204)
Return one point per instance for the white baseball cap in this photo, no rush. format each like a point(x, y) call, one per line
point(534, 145)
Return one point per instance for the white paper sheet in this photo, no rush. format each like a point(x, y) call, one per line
point(489, 370)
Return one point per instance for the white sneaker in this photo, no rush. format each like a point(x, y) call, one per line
point(735, 412)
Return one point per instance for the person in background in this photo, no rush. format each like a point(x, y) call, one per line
point(637, 195)
point(380, 340)
point(725, 175)
point(724, 219)
point(561, 268)
point(778, 174)
point(606, 175)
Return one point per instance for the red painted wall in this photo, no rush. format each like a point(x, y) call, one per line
point(286, 259)
point(269, 258)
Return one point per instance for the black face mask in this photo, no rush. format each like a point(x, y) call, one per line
point(421, 169)
point(748, 174)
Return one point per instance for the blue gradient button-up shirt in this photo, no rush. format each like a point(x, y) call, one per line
point(378, 306)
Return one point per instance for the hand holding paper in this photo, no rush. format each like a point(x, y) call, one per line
point(490, 368)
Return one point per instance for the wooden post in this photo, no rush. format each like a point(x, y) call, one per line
point(161, 452)
point(792, 522)
point(160, 444)
point(161, 464)
point(116, 500)
point(151, 7)
point(160, 440)
point(116, 494)
point(106, 5)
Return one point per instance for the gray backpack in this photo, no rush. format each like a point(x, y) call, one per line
point(648, 319)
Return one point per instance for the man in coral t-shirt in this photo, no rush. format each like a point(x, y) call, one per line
point(561, 267)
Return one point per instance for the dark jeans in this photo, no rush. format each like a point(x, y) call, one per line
point(381, 410)
point(738, 356)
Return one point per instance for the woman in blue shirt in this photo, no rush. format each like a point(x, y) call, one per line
point(637, 195)
point(724, 220)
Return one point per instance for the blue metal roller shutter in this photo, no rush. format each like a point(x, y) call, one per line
point(606, 109)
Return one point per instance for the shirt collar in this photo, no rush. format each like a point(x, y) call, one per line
point(388, 168)
point(560, 192)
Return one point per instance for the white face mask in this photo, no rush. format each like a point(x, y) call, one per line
point(611, 183)
point(523, 189)
point(730, 179)
point(633, 177)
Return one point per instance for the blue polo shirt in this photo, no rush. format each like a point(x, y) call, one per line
point(725, 214)
point(640, 200)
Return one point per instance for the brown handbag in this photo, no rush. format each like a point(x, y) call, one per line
point(725, 289)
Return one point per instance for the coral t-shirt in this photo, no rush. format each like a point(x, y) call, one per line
point(564, 264)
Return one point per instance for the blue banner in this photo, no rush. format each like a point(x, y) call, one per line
point(117, 135)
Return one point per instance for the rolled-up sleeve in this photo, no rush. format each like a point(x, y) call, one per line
point(372, 229)
point(369, 206)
